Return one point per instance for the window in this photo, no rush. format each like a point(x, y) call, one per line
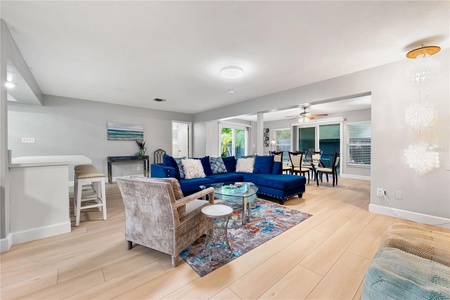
point(233, 141)
point(283, 142)
point(324, 138)
point(359, 144)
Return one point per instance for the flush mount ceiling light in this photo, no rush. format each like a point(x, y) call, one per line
point(231, 72)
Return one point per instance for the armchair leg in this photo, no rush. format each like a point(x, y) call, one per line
point(174, 261)
point(129, 245)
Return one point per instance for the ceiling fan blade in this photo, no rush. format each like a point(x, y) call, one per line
point(319, 115)
point(292, 116)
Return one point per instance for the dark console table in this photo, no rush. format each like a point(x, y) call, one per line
point(113, 159)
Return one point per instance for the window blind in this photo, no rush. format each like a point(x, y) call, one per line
point(359, 144)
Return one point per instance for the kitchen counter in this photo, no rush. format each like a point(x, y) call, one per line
point(39, 193)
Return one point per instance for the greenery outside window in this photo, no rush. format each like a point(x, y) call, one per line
point(233, 141)
point(359, 144)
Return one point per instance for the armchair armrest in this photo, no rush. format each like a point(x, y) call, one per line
point(183, 201)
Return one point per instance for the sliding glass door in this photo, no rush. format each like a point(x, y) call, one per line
point(323, 138)
point(233, 141)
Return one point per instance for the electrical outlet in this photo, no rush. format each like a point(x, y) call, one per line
point(138, 168)
point(380, 192)
point(26, 140)
point(398, 195)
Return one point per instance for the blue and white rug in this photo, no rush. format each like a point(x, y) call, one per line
point(267, 220)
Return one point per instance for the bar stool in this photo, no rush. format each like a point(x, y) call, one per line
point(88, 174)
point(217, 247)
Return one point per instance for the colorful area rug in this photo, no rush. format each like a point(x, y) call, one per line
point(267, 220)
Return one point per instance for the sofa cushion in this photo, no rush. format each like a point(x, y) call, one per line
point(206, 165)
point(263, 164)
point(180, 166)
point(217, 165)
point(277, 168)
point(245, 165)
point(282, 182)
point(227, 177)
point(170, 161)
point(190, 186)
point(193, 168)
point(230, 163)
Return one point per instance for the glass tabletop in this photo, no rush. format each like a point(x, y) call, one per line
point(237, 189)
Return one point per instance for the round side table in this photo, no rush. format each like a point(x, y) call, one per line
point(217, 247)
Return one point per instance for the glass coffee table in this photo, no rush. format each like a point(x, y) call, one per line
point(244, 192)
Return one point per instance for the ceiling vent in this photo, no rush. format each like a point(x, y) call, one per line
point(159, 100)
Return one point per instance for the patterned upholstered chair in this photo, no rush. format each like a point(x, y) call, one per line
point(159, 217)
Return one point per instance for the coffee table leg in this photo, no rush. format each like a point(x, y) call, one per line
point(244, 210)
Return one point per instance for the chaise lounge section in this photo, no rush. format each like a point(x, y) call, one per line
point(264, 173)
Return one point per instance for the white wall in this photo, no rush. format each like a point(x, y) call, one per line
point(65, 126)
point(391, 95)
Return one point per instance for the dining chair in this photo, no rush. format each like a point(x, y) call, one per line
point(158, 156)
point(277, 155)
point(333, 170)
point(296, 158)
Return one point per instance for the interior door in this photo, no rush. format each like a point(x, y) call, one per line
point(181, 139)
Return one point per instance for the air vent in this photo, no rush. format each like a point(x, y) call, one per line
point(159, 100)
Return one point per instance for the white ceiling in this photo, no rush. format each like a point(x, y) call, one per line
point(132, 52)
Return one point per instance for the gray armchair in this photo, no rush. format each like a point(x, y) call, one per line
point(159, 217)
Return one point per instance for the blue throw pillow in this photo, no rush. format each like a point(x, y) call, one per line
point(230, 163)
point(180, 166)
point(206, 165)
point(217, 165)
point(170, 162)
point(277, 168)
point(263, 164)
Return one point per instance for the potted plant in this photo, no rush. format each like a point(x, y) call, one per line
point(142, 148)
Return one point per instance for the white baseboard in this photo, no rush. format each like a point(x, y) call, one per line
point(361, 177)
point(40, 233)
point(409, 215)
point(6, 243)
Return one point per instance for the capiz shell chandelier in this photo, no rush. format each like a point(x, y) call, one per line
point(420, 115)
point(422, 158)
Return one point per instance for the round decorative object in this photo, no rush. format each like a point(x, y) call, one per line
point(420, 115)
point(423, 71)
point(422, 158)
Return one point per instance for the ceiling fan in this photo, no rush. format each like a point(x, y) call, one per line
point(305, 116)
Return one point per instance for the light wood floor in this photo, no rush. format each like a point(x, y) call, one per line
point(324, 257)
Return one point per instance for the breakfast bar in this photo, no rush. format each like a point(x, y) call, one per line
point(39, 193)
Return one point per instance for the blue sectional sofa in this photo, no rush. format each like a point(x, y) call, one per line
point(266, 174)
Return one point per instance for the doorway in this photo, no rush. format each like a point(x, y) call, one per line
point(181, 139)
point(324, 138)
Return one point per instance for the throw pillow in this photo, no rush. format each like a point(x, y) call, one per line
point(263, 164)
point(217, 165)
point(230, 163)
point(180, 166)
point(170, 162)
point(245, 165)
point(206, 165)
point(193, 168)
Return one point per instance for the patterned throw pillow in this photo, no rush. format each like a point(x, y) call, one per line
point(217, 165)
point(245, 165)
point(193, 168)
point(180, 166)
